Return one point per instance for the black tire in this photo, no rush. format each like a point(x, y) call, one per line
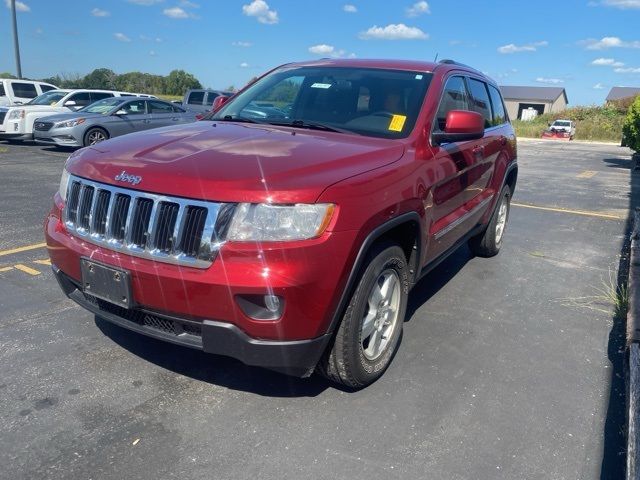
point(349, 361)
point(488, 243)
point(90, 135)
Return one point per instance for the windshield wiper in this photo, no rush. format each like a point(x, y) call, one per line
point(229, 118)
point(312, 126)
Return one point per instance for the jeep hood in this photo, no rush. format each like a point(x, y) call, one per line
point(232, 162)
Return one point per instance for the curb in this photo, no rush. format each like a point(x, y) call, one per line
point(633, 348)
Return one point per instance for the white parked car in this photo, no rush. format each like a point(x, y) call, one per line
point(15, 92)
point(565, 126)
point(19, 119)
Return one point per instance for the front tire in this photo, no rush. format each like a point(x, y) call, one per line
point(372, 323)
point(488, 243)
point(94, 135)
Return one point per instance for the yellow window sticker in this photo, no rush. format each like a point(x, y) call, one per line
point(397, 122)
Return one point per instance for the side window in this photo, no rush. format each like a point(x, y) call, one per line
point(2, 94)
point(454, 97)
point(480, 101)
point(134, 108)
point(46, 88)
point(499, 116)
point(159, 107)
point(211, 96)
point(95, 96)
point(82, 99)
point(195, 98)
point(24, 90)
point(177, 109)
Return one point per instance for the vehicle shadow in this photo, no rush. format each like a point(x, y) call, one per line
point(210, 368)
point(436, 279)
point(614, 450)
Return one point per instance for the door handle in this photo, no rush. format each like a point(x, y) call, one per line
point(478, 151)
point(175, 119)
point(146, 120)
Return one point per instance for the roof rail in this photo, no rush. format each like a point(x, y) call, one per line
point(448, 61)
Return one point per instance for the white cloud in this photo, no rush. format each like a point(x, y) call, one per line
point(609, 42)
point(554, 81)
point(145, 3)
point(244, 65)
point(121, 37)
point(529, 47)
point(20, 6)
point(394, 32)
point(418, 8)
point(260, 10)
point(350, 8)
point(242, 44)
point(607, 62)
point(152, 53)
point(627, 70)
point(622, 4)
point(188, 4)
point(322, 49)
point(598, 86)
point(175, 12)
point(96, 12)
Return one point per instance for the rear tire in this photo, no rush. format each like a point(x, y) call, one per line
point(371, 326)
point(94, 135)
point(488, 243)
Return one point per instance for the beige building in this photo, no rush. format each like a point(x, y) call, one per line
point(541, 99)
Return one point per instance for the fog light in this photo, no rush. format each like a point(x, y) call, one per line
point(261, 307)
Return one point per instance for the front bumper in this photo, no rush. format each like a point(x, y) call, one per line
point(64, 137)
point(16, 136)
point(297, 358)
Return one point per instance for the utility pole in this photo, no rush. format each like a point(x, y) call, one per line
point(15, 38)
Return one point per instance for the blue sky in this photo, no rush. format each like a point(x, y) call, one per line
point(584, 46)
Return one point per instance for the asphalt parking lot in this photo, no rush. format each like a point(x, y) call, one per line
point(509, 368)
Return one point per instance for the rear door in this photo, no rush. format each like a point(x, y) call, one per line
point(453, 214)
point(162, 114)
point(22, 92)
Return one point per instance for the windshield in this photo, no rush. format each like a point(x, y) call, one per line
point(102, 106)
point(560, 123)
point(365, 101)
point(50, 98)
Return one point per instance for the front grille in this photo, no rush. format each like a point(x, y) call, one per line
point(145, 319)
point(41, 126)
point(158, 227)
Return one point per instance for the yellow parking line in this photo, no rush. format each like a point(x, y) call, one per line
point(587, 174)
point(585, 213)
point(25, 269)
point(46, 261)
point(5, 269)
point(22, 249)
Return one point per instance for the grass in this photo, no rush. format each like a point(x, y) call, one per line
point(170, 98)
point(608, 296)
point(592, 123)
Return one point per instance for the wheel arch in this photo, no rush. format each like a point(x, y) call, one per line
point(99, 127)
point(406, 232)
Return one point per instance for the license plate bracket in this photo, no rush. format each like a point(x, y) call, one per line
point(105, 282)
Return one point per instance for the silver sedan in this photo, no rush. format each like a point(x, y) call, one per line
point(108, 118)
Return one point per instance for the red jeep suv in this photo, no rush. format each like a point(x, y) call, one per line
point(287, 227)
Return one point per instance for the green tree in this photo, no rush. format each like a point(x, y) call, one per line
point(7, 75)
point(179, 81)
point(102, 78)
point(631, 128)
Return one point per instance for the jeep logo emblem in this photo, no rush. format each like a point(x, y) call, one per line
point(125, 177)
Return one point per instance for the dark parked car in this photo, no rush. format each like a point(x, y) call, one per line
point(290, 243)
point(201, 100)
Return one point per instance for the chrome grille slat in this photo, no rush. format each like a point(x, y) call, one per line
point(157, 227)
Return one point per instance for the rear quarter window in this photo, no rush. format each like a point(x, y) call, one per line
point(46, 88)
point(24, 90)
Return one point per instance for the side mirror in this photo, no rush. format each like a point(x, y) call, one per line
point(461, 125)
point(70, 103)
point(218, 102)
point(548, 124)
point(121, 112)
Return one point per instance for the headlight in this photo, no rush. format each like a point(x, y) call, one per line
point(69, 123)
point(272, 223)
point(64, 184)
point(15, 114)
